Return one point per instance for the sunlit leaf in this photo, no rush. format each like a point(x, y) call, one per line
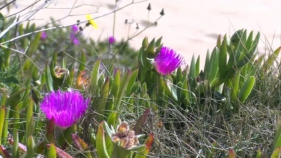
point(2, 120)
point(246, 89)
point(59, 151)
point(148, 144)
point(30, 146)
point(52, 153)
point(100, 141)
point(231, 153)
point(259, 154)
point(276, 153)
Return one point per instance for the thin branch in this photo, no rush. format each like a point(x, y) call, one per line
point(31, 5)
point(76, 60)
point(7, 4)
point(56, 27)
point(16, 22)
point(143, 29)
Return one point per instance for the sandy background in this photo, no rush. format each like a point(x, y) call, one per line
point(188, 26)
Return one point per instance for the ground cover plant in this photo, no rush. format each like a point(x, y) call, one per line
point(125, 103)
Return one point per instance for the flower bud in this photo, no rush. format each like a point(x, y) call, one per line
point(149, 7)
point(162, 12)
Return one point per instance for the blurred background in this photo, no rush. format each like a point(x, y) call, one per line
point(189, 27)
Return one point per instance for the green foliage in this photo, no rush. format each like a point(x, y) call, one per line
point(25, 80)
point(2, 115)
point(228, 72)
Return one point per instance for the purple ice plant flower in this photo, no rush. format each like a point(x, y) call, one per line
point(64, 107)
point(111, 39)
point(74, 28)
point(167, 61)
point(43, 35)
point(74, 31)
point(74, 39)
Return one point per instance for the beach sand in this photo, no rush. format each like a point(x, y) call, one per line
point(189, 27)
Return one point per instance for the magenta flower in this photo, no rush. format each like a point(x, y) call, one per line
point(111, 39)
point(74, 28)
point(167, 61)
point(74, 39)
point(64, 107)
point(43, 35)
point(74, 31)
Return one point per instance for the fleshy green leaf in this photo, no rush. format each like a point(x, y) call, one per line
point(33, 45)
point(123, 88)
point(95, 74)
point(101, 109)
point(30, 146)
point(259, 154)
point(171, 89)
point(223, 58)
point(249, 40)
point(231, 153)
point(276, 153)
point(214, 66)
point(6, 124)
point(113, 117)
point(149, 51)
point(179, 76)
point(235, 85)
point(49, 79)
point(82, 62)
point(197, 65)
point(16, 124)
point(158, 42)
point(100, 141)
point(2, 121)
point(60, 152)
point(116, 83)
point(277, 138)
point(132, 80)
point(148, 145)
point(207, 65)
point(246, 89)
point(145, 42)
point(29, 119)
point(192, 71)
point(219, 41)
point(52, 153)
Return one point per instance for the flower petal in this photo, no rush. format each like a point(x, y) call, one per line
point(167, 61)
point(91, 21)
point(64, 107)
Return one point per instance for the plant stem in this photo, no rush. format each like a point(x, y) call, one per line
point(114, 20)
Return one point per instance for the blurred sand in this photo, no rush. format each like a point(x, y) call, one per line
point(189, 27)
